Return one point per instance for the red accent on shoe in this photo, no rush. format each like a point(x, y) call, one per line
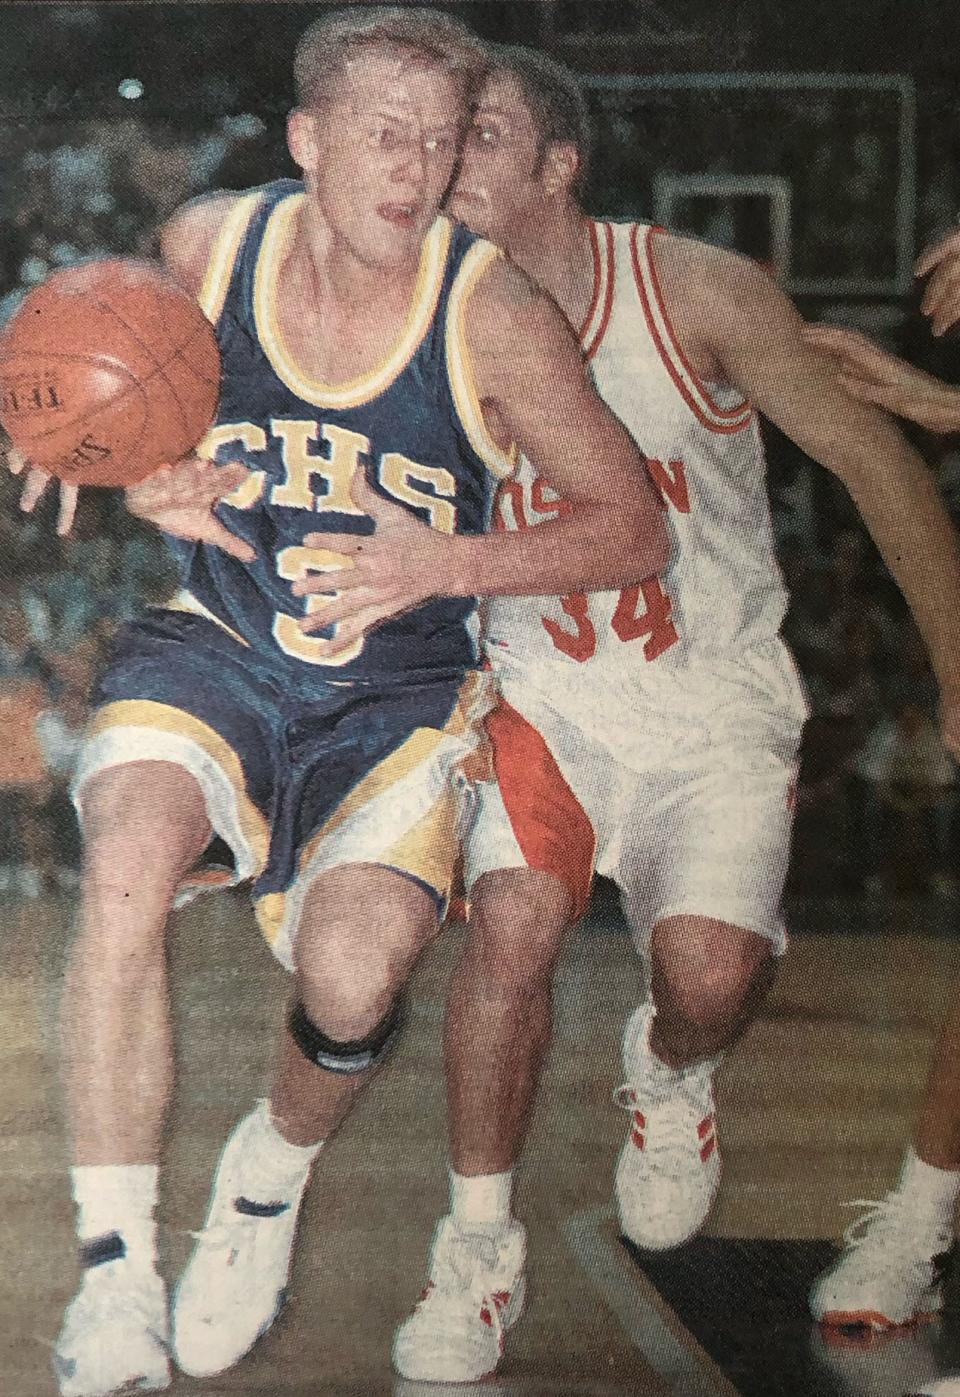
point(499, 1298)
point(639, 1140)
point(708, 1148)
point(705, 1127)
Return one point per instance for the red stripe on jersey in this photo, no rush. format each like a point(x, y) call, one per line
point(597, 282)
point(551, 827)
point(743, 414)
point(607, 255)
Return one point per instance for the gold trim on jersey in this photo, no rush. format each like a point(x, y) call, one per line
point(164, 717)
point(460, 368)
point(223, 256)
point(423, 305)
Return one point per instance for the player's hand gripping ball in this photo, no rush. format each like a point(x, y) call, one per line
point(108, 370)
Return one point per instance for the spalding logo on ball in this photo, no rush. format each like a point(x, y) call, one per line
point(108, 370)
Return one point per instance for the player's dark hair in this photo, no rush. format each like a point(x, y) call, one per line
point(429, 35)
point(555, 100)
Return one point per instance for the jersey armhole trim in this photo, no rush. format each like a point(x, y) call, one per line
point(690, 387)
point(460, 369)
point(223, 257)
point(598, 316)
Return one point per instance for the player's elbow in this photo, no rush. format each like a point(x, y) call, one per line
point(648, 544)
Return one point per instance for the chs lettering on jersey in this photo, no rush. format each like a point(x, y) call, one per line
point(304, 442)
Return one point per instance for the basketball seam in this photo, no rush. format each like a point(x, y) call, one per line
point(135, 381)
point(158, 368)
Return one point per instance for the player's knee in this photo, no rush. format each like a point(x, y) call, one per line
point(707, 971)
point(517, 926)
point(345, 1056)
point(349, 976)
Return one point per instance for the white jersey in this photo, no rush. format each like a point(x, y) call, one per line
point(722, 593)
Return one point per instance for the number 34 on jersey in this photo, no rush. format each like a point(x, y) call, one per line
point(642, 612)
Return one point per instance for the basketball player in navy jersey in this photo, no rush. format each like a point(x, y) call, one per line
point(372, 351)
point(651, 732)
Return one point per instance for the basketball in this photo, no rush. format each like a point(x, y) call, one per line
point(108, 370)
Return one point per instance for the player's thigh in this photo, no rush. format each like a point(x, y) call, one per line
point(144, 816)
point(177, 693)
point(709, 838)
point(377, 786)
point(548, 808)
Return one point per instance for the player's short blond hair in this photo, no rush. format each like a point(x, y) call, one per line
point(427, 35)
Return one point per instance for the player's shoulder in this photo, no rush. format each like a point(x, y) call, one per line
point(705, 269)
point(189, 235)
point(507, 308)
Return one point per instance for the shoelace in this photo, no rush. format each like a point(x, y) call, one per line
point(676, 1125)
point(883, 1220)
point(464, 1274)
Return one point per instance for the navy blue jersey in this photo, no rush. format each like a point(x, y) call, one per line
point(412, 425)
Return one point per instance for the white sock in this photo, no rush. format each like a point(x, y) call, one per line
point(481, 1202)
point(933, 1191)
point(272, 1165)
point(118, 1198)
point(661, 1081)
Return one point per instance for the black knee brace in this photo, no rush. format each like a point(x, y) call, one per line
point(348, 1058)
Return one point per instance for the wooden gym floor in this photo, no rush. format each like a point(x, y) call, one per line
point(815, 1108)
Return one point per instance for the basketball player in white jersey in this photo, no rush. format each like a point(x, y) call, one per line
point(651, 734)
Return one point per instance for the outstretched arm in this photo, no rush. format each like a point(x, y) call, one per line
point(756, 336)
point(873, 375)
point(941, 296)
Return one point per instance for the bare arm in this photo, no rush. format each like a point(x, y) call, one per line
point(874, 375)
point(533, 386)
point(756, 337)
point(536, 393)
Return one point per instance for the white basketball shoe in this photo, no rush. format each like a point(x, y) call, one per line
point(234, 1285)
point(942, 1387)
point(890, 1271)
point(114, 1335)
point(668, 1172)
point(475, 1294)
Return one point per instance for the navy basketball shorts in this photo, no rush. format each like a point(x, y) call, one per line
point(296, 779)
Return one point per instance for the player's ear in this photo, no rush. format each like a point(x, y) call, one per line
point(302, 139)
point(561, 165)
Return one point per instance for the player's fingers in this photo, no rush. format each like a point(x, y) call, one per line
point(941, 296)
point(230, 477)
point(333, 610)
point(349, 632)
point(33, 487)
point(347, 545)
point(868, 390)
point(947, 246)
point(343, 579)
point(16, 463)
point(834, 339)
point(69, 494)
point(219, 535)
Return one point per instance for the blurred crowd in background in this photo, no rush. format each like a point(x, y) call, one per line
point(877, 801)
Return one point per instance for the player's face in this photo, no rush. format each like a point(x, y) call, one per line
point(379, 152)
point(498, 190)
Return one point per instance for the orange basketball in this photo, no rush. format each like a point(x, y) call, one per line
point(107, 371)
